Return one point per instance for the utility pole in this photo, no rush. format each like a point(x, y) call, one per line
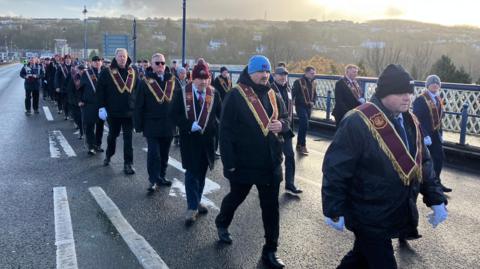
point(85, 56)
point(184, 30)
point(134, 40)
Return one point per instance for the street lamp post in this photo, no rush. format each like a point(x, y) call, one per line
point(184, 30)
point(85, 56)
point(134, 40)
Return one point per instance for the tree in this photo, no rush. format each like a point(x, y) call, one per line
point(461, 76)
point(446, 70)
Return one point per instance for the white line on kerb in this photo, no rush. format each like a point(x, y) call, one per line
point(66, 255)
point(48, 114)
point(55, 138)
point(145, 254)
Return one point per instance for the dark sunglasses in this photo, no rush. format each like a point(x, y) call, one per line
point(160, 63)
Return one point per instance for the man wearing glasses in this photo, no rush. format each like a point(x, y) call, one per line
point(152, 117)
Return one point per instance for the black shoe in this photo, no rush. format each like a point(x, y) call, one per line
point(293, 190)
point(202, 209)
point(98, 149)
point(271, 260)
point(80, 137)
point(152, 188)
point(128, 169)
point(91, 152)
point(28, 112)
point(224, 235)
point(106, 162)
point(445, 189)
point(36, 111)
point(164, 182)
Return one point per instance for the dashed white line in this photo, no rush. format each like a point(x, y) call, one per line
point(57, 140)
point(66, 255)
point(145, 254)
point(48, 114)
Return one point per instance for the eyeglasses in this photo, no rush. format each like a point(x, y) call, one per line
point(160, 63)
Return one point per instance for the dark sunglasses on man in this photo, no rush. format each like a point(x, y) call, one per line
point(160, 63)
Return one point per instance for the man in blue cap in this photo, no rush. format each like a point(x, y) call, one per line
point(253, 122)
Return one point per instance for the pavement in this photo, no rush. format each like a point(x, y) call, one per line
point(60, 208)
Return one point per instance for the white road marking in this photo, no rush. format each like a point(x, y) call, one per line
point(145, 254)
point(57, 140)
point(66, 255)
point(179, 188)
point(48, 114)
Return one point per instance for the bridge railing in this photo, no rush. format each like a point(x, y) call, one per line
point(462, 101)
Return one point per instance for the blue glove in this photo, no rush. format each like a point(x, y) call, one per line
point(427, 140)
point(196, 127)
point(339, 225)
point(361, 100)
point(439, 214)
point(102, 113)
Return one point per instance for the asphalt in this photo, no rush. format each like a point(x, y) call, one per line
point(28, 175)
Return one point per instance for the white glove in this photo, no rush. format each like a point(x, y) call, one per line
point(339, 225)
point(361, 100)
point(427, 140)
point(196, 127)
point(102, 113)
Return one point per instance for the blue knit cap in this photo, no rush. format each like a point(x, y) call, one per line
point(258, 63)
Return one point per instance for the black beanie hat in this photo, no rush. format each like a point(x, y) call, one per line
point(394, 80)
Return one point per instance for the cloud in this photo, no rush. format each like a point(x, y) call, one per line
point(393, 12)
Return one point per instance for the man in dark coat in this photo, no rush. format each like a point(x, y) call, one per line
point(253, 121)
point(196, 110)
point(223, 83)
point(373, 171)
point(62, 79)
point(152, 116)
point(281, 86)
point(73, 95)
point(33, 74)
point(89, 105)
point(304, 93)
point(428, 108)
point(348, 94)
point(115, 94)
point(50, 78)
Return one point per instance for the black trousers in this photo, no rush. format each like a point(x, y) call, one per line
point(437, 154)
point(31, 96)
point(289, 162)
point(99, 132)
point(77, 116)
point(115, 125)
point(94, 133)
point(268, 195)
point(369, 252)
point(62, 102)
point(157, 157)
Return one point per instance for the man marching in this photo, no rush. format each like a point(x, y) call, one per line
point(428, 108)
point(348, 94)
point(62, 79)
point(115, 94)
point(195, 112)
point(253, 120)
point(373, 171)
point(223, 83)
point(304, 93)
point(153, 104)
point(33, 74)
point(89, 105)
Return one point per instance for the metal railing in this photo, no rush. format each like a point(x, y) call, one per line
point(462, 101)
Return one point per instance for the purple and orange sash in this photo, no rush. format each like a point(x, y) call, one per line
point(354, 87)
point(308, 94)
point(435, 112)
point(257, 108)
point(157, 91)
point(190, 109)
point(407, 166)
point(227, 86)
point(92, 78)
point(123, 86)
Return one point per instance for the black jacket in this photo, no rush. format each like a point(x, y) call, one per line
point(50, 75)
point(87, 95)
point(27, 73)
point(73, 94)
point(286, 93)
point(297, 93)
point(196, 146)
point(422, 111)
point(151, 117)
point(360, 183)
point(219, 87)
point(118, 105)
point(344, 100)
point(256, 158)
point(61, 81)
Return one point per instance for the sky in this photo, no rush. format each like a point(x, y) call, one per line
point(459, 12)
